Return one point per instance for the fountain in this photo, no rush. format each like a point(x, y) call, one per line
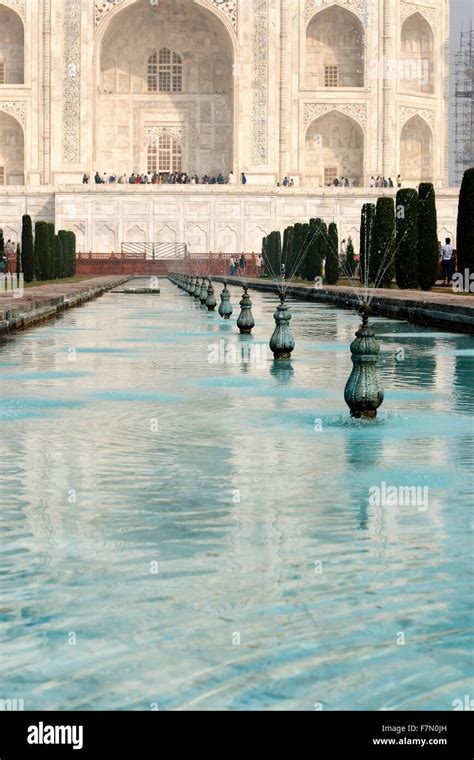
point(203, 293)
point(246, 322)
point(225, 308)
point(211, 302)
point(282, 342)
point(364, 392)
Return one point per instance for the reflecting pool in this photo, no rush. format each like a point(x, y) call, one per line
point(186, 525)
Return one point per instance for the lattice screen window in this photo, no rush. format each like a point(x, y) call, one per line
point(330, 174)
point(164, 155)
point(2, 175)
point(153, 73)
point(165, 72)
point(3, 78)
point(331, 76)
point(170, 73)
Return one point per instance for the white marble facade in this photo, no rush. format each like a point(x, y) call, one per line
point(272, 88)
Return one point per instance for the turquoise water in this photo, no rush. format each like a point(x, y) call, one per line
point(182, 534)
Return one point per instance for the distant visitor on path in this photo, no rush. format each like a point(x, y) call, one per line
point(446, 262)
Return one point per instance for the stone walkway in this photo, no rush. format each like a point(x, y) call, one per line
point(43, 302)
point(445, 310)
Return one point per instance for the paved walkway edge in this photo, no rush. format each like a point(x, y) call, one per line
point(39, 308)
point(422, 310)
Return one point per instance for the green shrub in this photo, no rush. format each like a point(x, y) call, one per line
point(428, 248)
point(366, 236)
point(332, 258)
point(406, 241)
point(465, 232)
point(382, 255)
point(27, 249)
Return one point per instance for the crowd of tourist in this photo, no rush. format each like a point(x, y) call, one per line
point(183, 178)
point(163, 178)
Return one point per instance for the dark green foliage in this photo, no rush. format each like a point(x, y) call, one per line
point(41, 250)
point(332, 258)
point(322, 243)
point(303, 265)
point(382, 256)
point(71, 269)
point(311, 253)
point(297, 251)
point(2, 244)
point(27, 249)
point(18, 259)
point(287, 253)
point(64, 252)
point(264, 253)
point(406, 243)
point(366, 237)
point(51, 259)
point(428, 250)
point(350, 262)
point(465, 233)
point(58, 256)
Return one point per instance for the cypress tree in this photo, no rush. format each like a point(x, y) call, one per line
point(41, 250)
point(264, 253)
point(350, 263)
point(71, 254)
point(287, 253)
point(277, 252)
point(406, 251)
point(27, 249)
point(322, 249)
point(332, 259)
point(297, 250)
point(58, 256)
point(311, 265)
point(366, 237)
point(382, 255)
point(465, 232)
point(2, 251)
point(303, 267)
point(428, 250)
point(64, 253)
point(18, 259)
point(51, 254)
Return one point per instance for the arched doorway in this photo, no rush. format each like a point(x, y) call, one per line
point(12, 157)
point(165, 67)
point(334, 147)
point(417, 55)
point(12, 47)
point(416, 151)
point(334, 49)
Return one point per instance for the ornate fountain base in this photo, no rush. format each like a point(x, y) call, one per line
point(364, 392)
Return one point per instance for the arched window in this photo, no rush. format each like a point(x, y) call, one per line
point(164, 155)
point(165, 72)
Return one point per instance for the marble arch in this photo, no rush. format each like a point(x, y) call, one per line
point(416, 150)
point(417, 55)
point(12, 148)
point(335, 37)
point(334, 142)
point(204, 110)
point(12, 45)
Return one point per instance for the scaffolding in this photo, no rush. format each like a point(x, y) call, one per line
point(464, 105)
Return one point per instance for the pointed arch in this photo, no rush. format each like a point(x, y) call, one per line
point(12, 47)
point(335, 49)
point(416, 150)
point(334, 147)
point(417, 55)
point(12, 141)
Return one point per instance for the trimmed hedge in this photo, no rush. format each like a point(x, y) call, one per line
point(428, 249)
point(406, 240)
point(366, 236)
point(465, 231)
point(27, 249)
point(382, 255)
point(332, 259)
